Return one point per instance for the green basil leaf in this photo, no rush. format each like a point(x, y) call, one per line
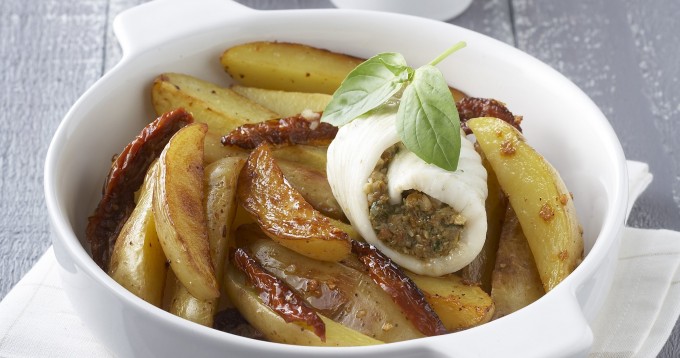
point(428, 121)
point(368, 86)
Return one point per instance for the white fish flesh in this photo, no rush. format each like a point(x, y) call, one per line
point(352, 157)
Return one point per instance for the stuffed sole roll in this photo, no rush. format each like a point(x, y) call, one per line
point(426, 219)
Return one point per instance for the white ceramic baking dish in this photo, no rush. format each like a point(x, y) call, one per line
point(188, 36)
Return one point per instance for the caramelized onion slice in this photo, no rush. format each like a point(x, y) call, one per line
point(276, 294)
point(400, 287)
point(472, 107)
point(125, 177)
point(300, 129)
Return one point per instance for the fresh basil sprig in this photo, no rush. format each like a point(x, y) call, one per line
point(368, 86)
point(427, 119)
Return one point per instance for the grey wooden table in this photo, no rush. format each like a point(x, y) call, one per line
point(624, 54)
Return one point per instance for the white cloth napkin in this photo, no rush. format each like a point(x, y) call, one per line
point(644, 302)
point(37, 320)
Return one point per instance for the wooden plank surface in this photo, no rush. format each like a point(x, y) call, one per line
point(619, 56)
point(50, 53)
point(623, 54)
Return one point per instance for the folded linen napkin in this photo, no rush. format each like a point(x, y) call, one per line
point(37, 320)
point(644, 302)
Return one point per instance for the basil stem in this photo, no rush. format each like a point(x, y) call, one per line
point(448, 52)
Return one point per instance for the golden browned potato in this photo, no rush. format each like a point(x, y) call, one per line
point(287, 66)
point(243, 217)
point(310, 156)
point(214, 150)
point(224, 110)
point(291, 67)
point(344, 294)
point(516, 282)
point(284, 214)
point(458, 304)
point(220, 187)
point(221, 179)
point(182, 303)
point(180, 214)
point(276, 329)
point(138, 262)
point(285, 103)
point(347, 228)
point(314, 187)
point(220, 108)
point(538, 195)
point(303, 166)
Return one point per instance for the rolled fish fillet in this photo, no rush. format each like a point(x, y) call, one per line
point(454, 229)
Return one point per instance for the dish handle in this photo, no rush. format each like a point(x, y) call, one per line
point(145, 26)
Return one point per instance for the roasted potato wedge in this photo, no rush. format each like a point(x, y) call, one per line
point(538, 195)
point(138, 262)
point(341, 293)
point(284, 214)
point(515, 280)
point(347, 228)
point(214, 150)
point(291, 67)
point(182, 303)
point(221, 178)
point(314, 187)
point(287, 66)
point(459, 305)
point(309, 156)
point(273, 326)
point(285, 103)
point(305, 169)
point(180, 214)
point(220, 108)
point(178, 301)
point(223, 110)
